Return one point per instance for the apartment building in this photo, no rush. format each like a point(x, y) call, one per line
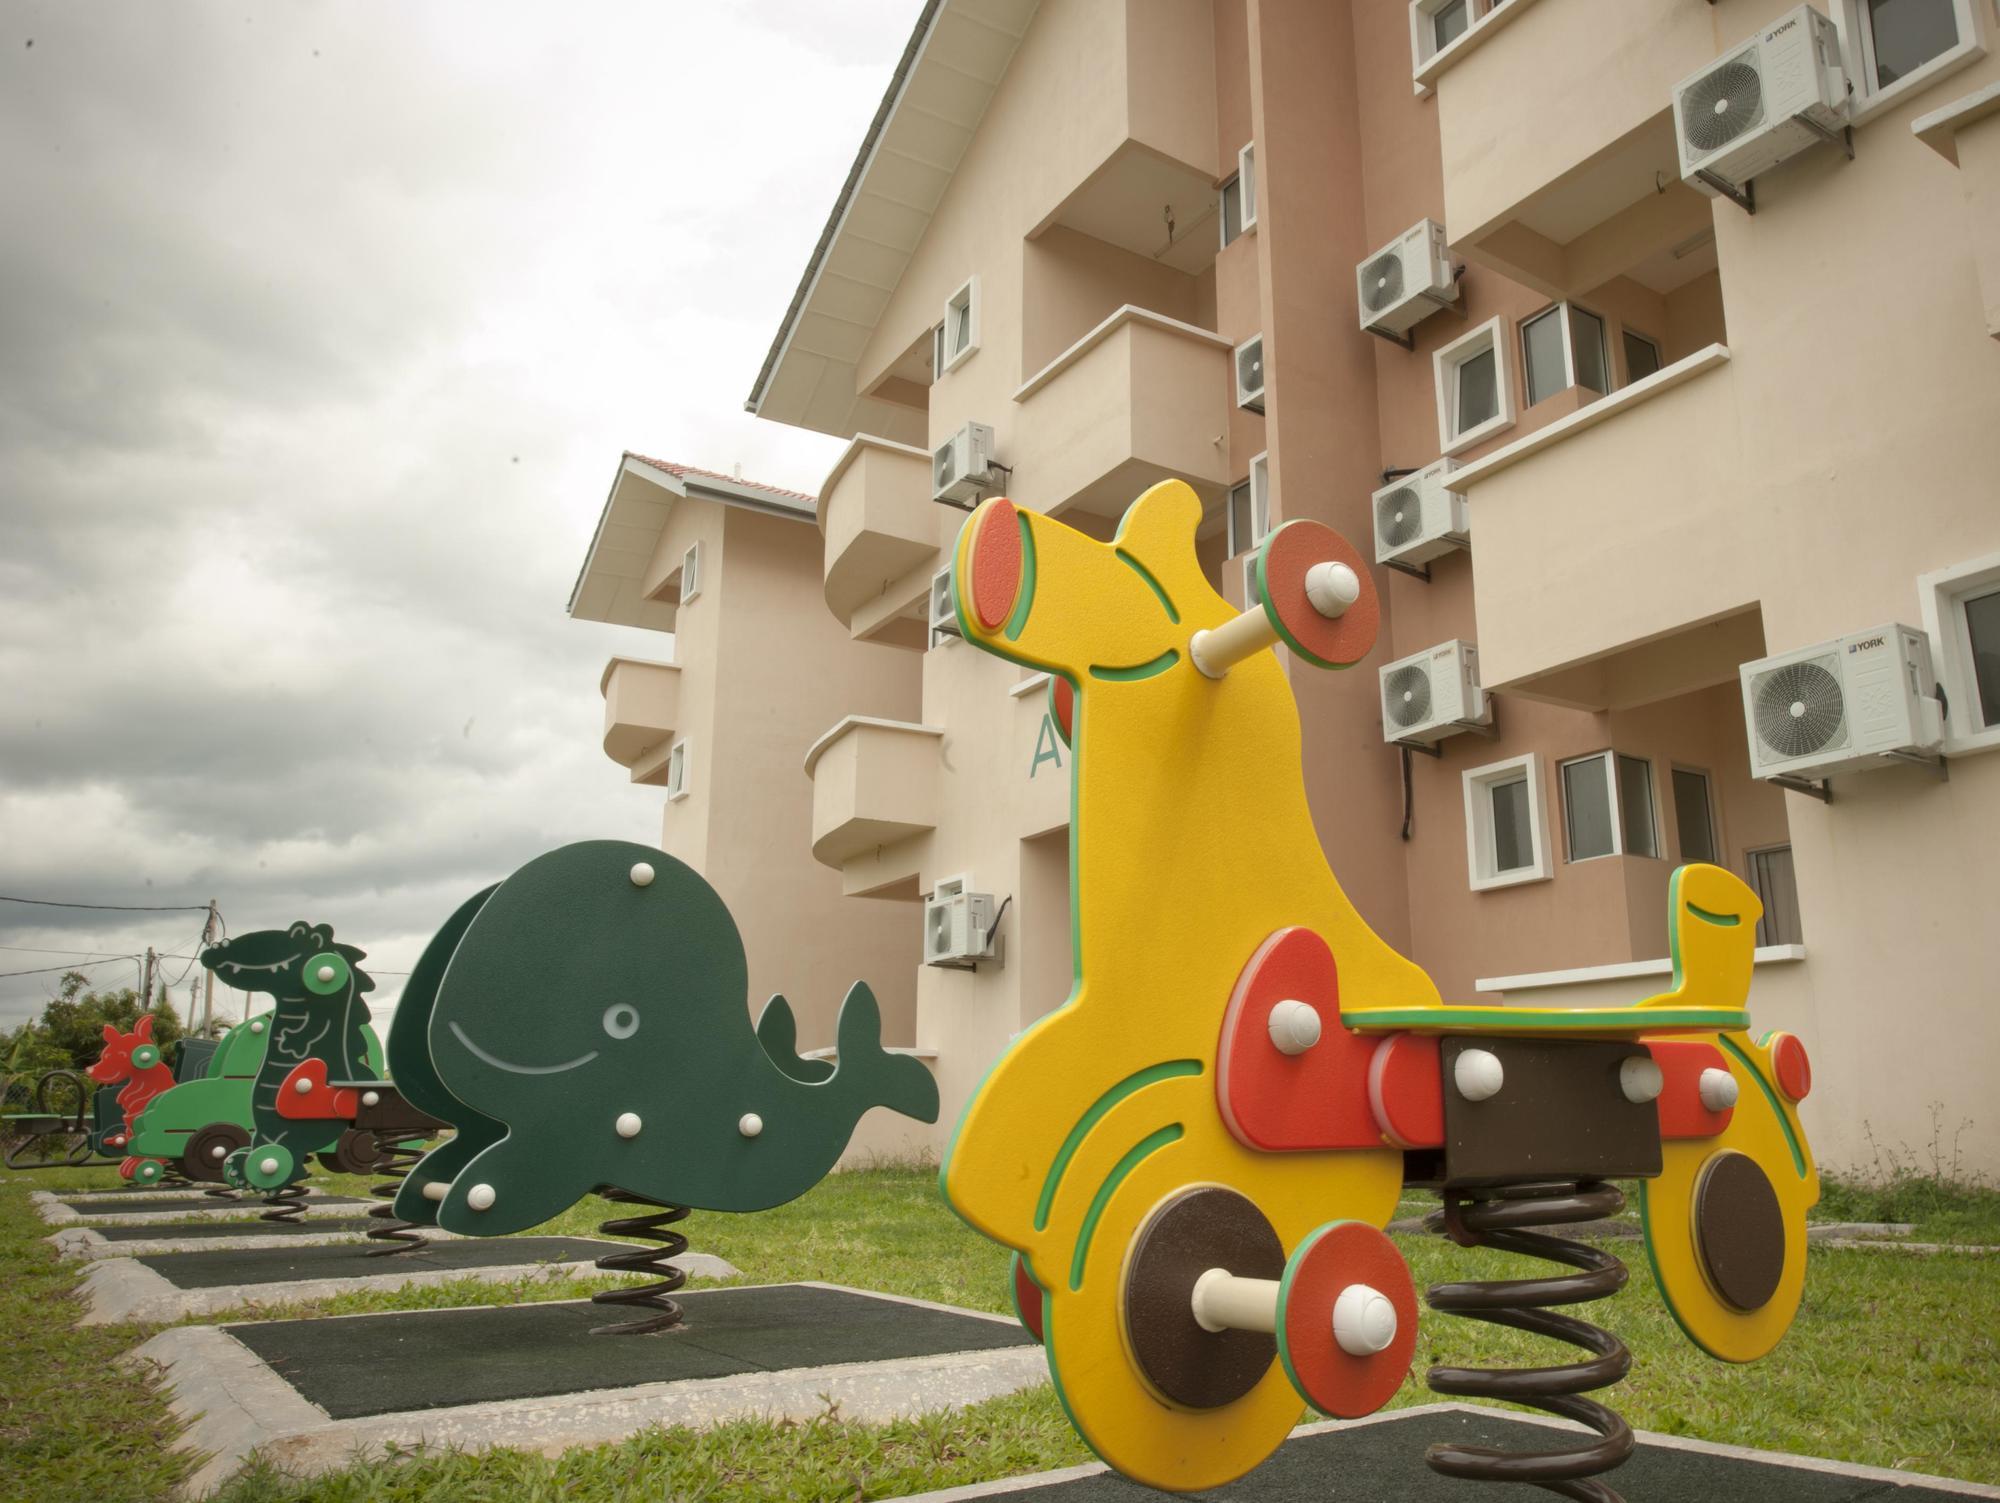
point(758, 670)
point(1653, 390)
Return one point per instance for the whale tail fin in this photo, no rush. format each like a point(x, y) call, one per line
point(778, 1032)
point(871, 1073)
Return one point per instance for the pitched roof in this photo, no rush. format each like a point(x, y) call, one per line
point(682, 471)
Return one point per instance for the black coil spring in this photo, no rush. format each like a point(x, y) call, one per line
point(220, 1192)
point(287, 1203)
point(651, 1262)
point(1498, 1218)
point(393, 1160)
point(171, 1178)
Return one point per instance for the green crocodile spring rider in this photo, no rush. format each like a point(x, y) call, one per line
point(317, 986)
point(586, 1026)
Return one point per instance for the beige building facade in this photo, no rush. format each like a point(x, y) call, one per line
point(1692, 423)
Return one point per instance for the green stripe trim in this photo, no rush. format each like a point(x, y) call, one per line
point(1551, 1020)
point(1156, 666)
point(1777, 1109)
point(1147, 574)
point(1152, 1075)
point(1144, 1148)
point(1720, 920)
point(1018, 621)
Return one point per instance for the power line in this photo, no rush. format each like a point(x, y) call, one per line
point(81, 965)
point(113, 907)
point(44, 950)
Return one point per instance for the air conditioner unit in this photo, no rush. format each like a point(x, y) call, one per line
point(944, 608)
point(1843, 705)
point(1419, 517)
point(1406, 281)
point(962, 470)
point(1769, 99)
point(1432, 695)
point(959, 926)
point(1250, 373)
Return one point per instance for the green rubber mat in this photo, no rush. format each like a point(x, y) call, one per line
point(1385, 1460)
point(203, 1229)
point(350, 1260)
point(180, 1205)
point(435, 1359)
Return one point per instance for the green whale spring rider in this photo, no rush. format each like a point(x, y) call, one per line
point(593, 1008)
point(317, 986)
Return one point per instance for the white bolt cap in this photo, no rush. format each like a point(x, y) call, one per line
point(267, 1166)
point(628, 1124)
point(258, 1026)
point(1478, 1075)
point(302, 1087)
point(480, 1197)
point(1332, 587)
point(1718, 1090)
point(1364, 1320)
point(219, 1151)
point(371, 1098)
point(1294, 1026)
point(642, 874)
point(325, 973)
point(1640, 1079)
point(749, 1124)
point(435, 1189)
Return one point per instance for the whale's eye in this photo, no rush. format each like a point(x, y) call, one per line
point(621, 1021)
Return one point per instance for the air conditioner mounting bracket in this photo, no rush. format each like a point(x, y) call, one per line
point(1415, 571)
point(1745, 197)
point(1819, 788)
point(1488, 729)
point(1406, 339)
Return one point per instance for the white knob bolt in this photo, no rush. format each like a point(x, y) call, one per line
point(302, 1087)
point(642, 875)
point(1364, 1320)
point(371, 1098)
point(1294, 1026)
point(324, 973)
point(219, 1151)
point(628, 1124)
point(749, 1124)
point(1332, 588)
point(258, 1026)
point(1478, 1075)
point(267, 1166)
point(435, 1189)
point(1640, 1079)
point(480, 1197)
point(1718, 1090)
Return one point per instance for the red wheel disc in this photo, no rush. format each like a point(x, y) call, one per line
point(1027, 1299)
point(1326, 641)
point(1329, 1378)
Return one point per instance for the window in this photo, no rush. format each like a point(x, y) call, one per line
point(1561, 348)
point(1506, 837)
point(1608, 807)
point(677, 771)
point(1436, 24)
point(1961, 608)
point(1472, 392)
point(1895, 46)
point(1246, 184)
point(1642, 356)
point(1772, 879)
point(1248, 518)
point(1694, 816)
point(691, 573)
point(1232, 208)
point(958, 336)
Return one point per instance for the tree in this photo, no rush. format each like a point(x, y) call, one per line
point(69, 1035)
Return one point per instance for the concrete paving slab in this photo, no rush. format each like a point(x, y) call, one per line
point(139, 1238)
point(72, 1210)
point(1382, 1457)
point(912, 1356)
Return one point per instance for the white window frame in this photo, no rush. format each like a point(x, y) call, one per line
point(1562, 311)
point(1857, 50)
point(1222, 191)
point(1495, 335)
point(1609, 756)
point(1625, 332)
point(1423, 27)
point(1258, 485)
point(1941, 596)
point(1480, 868)
point(1246, 182)
point(1714, 814)
point(691, 573)
point(967, 297)
point(677, 769)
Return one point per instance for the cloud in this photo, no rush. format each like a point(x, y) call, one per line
point(325, 327)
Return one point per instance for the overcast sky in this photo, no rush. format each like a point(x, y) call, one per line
point(322, 327)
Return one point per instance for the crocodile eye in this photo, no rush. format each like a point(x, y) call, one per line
point(621, 1021)
point(297, 931)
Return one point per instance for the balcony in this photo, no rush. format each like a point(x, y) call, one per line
point(1621, 550)
point(1139, 399)
point(875, 794)
point(642, 703)
point(881, 529)
point(1966, 133)
point(1560, 165)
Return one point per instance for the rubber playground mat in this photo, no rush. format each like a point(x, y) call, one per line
point(196, 1230)
point(226, 1266)
point(362, 1365)
point(180, 1205)
point(1384, 1459)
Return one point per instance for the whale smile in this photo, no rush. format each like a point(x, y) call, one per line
point(514, 1069)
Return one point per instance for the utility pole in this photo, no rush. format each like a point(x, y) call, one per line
point(146, 988)
point(208, 983)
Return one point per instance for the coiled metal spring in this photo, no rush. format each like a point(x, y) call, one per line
point(220, 1192)
point(1499, 1218)
point(394, 1160)
point(288, 1204)
point(651, 1262)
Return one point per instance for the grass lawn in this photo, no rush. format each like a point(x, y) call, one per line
point(1892, 1362)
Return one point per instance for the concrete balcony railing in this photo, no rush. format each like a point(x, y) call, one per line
point(1139, 399)
point(642, 705)
point(875, 795)
point(881, 529)
point(1577, 180)
point(1621, 550)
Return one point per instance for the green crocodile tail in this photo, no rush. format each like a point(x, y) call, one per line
point(871, 1073)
